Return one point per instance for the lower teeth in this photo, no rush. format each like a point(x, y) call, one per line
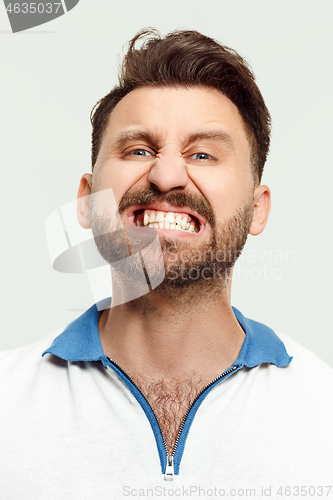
point(175, 227)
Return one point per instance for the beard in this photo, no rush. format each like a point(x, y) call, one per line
point(189, 268)
point(208, 266)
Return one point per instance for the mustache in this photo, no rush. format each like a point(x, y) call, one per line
point(146, 196)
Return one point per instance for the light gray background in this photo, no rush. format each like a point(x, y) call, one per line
point(52, 75)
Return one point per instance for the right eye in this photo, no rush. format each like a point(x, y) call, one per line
point(140, 152)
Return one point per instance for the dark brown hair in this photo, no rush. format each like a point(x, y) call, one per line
point(188, 58)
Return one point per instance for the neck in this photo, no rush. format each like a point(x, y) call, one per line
point(170, 339)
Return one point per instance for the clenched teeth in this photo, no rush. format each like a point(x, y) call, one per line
point(167, 220)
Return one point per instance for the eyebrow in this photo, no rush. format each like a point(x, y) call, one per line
point(216, 135)
point(136, 135)
point(130, 136)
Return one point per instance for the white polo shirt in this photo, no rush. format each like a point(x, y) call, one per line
point(74, 426)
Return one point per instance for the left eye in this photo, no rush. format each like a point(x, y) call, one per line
point(202, 156)
point(140, 152)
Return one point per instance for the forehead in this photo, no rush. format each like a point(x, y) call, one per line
point(174, 113)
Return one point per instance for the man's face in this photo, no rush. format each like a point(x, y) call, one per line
point(185, 152)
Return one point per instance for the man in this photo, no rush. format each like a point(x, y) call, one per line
point(172, 384)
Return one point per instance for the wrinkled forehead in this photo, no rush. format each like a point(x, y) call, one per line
point(173, 114)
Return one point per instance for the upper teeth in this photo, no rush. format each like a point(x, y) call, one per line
point(168, 220)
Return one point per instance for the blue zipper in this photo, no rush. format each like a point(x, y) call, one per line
point(190, 414)
point(170, 463)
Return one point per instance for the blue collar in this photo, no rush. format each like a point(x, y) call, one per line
point(80, 342)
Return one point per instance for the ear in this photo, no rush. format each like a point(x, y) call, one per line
point(83, 196)
point(262, 207)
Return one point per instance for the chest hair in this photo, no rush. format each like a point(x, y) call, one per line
point(170, 400)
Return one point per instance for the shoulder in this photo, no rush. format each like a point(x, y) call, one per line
point(307, 372)
point(30, 354)
point(303, 357)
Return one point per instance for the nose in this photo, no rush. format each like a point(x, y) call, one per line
point(168, 172)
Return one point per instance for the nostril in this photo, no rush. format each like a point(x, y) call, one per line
point(167, 189)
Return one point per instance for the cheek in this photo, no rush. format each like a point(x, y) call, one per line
point(224, 190)
point(117, 177)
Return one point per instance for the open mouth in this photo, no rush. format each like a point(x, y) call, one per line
point(174, 221)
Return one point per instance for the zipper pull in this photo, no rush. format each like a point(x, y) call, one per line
point(169, 470)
